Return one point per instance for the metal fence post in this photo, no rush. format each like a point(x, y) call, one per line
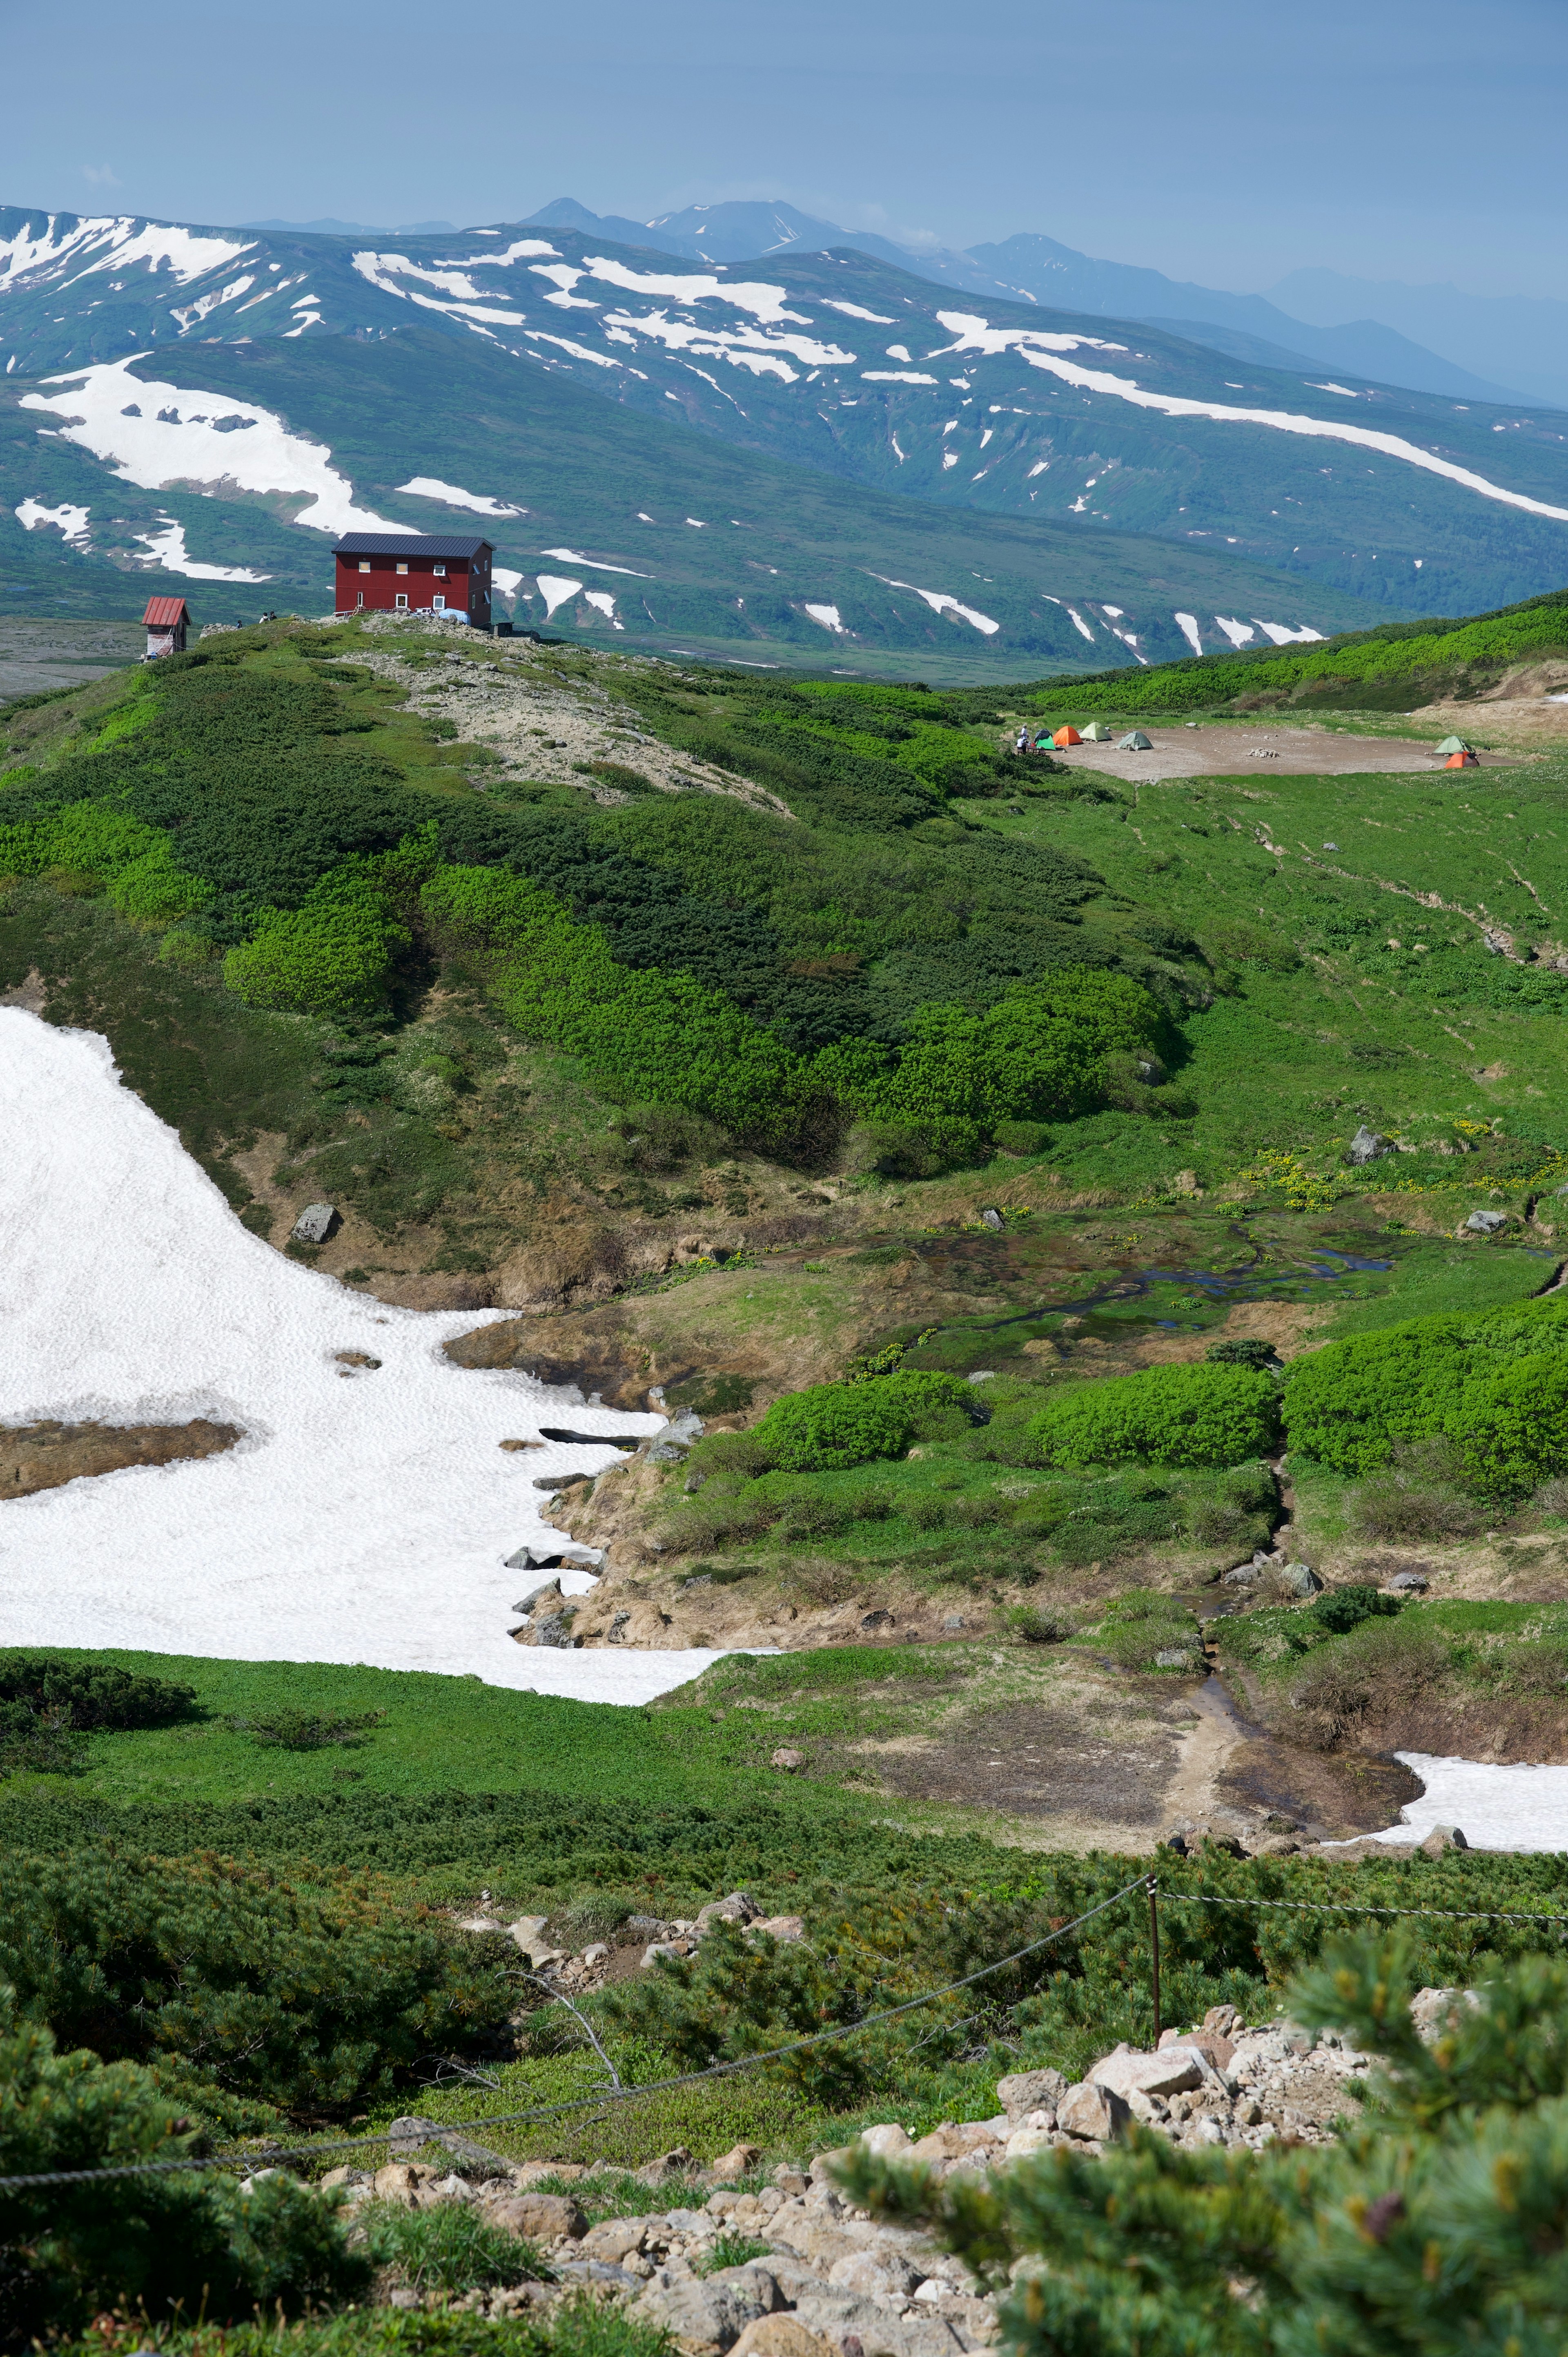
point(1154, 1947)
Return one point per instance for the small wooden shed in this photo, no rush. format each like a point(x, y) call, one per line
point(166, 620)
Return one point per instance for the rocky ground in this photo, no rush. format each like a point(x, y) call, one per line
point(786, 2267)
point(42, 1456)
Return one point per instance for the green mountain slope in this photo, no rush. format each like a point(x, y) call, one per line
point(685, 542)
point(845, 363)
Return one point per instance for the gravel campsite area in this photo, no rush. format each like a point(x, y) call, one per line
point(1249, 749)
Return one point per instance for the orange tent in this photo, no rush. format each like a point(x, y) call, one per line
point(1462, 761)
point(1067, 737)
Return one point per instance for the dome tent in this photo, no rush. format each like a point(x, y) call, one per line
point(1067, 736)
point(1455, 745)
point(1097, 733)
point(1134, 741)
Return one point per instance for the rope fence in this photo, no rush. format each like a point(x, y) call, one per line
point(603, 2101)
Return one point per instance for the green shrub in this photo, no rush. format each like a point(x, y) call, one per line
point(1260, 1356)
point(1166, 1415)
point(96, 1695)
point(1381, 1666)
point(829, 1427)
point(1023, 1138)
point(1494, 1385)
point(332, 956)
point(1344, 1609)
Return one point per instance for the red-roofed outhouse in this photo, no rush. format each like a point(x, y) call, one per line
point(165, 619)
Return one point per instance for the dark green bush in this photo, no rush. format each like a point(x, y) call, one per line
point(47, 1705)
point(1260, 1356)
point(1166, 1415)
point(308, 1730)
point(193, 2241)
point(1023, 1138)
point(237, 1975)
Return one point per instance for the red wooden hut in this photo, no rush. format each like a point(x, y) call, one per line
point(166, 620)
point(416, 573)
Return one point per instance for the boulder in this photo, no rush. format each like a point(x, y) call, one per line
point(1092, 2111)
point(737, 1909)
point(788, 1759)
point(677, 2162)
point(1030, 2090)
point(316, 1224)
point(1215, 2048)
point(888, 2141)
point(780, 2335)
point(1024, 2141)
point(1434, 2011)
point(1175, 2070)
point(783, 1928)
point(540, 2217)
point(1442, 1839)
point(884, 2274)
point(707, 2316)
point(403, 2180)
point(1408, 1583)
point(822, 2166)
point(1174, 1657)
point(1367, 1146)
point(739, 2161)
point(668, 1447)
point(614, 2239)
point(1299, 1579)
point(1487, 1224)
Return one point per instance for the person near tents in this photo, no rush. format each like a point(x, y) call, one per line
point(1022, 744)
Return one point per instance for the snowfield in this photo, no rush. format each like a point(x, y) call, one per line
point(158, 436)
point(1510, 1807)
point(365, 1516)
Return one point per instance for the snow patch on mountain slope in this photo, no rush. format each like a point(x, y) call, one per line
point(597, 565)
point(895, 376)
point(431, 487)
point(1042, 351)
point(1284, 638)
point(157, 435)
point(71, 522)
point(941, 602)
point(192, 315)
point(828, 617)
point(605, 603)
point(554, 590)
point(1239, 633)
point(367, 1513)
point(766, 304)
point(165, 547)
point(858, 311)
point(1188, 625)
point(112, 243)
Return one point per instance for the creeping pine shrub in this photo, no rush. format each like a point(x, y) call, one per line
point(196, 2243)
point(1166, 1415)
point(236, 1974)
point(1380, 1666)
point(48, 1705)
point(1494, 1385)
point(828, 1427)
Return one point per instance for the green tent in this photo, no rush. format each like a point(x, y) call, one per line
point(1455, 745)
point(1097, 733)
point(1134, 741)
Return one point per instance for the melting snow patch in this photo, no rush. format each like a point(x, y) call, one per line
point(1515, 1807)
point(828, 617)
point(950, 459)
point(766, 304)
point(1284, 638)
point(51, 258)
point(605, 603)
point(195, 438)
point(1345, 389)
point(365, 1516)
point(941, 602)
point(578, 351)
point(573, 556)
point(1038, 467)
point(554, 590)
point(1237, 632)
point(854, 311)
point(430, 487)
point(167, 548)
point(192, 314)
point(508, 582)
point(1082, 625)
point(1044, 352)
point(1188, 625)
point(69, 520)
point(895, 376)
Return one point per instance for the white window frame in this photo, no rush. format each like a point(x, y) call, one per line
point(439, 603)
point(364, 564)
point(400, 601)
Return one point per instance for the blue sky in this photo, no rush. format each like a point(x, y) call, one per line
point(1220, 140)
